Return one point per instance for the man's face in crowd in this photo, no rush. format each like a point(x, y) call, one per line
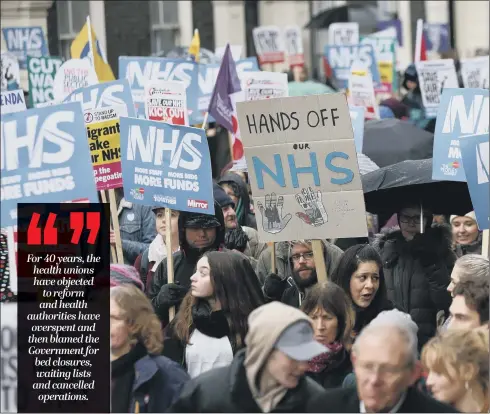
point(382, 377)
point(462, 316)
point(285, 370)
point(200, 238)
point(410, 222)
point(304, 269)
point(230, 217)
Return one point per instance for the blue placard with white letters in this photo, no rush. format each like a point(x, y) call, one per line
point(166, 165)
point(357, 117)
point(475, 151)
point(25, 41)
point(462, 113)
point(44, 159)
point(107, 94)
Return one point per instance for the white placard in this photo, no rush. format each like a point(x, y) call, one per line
point(73, 74)
point(269, 44)
point(340, 34)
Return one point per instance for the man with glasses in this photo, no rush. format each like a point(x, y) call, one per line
point(384, 358)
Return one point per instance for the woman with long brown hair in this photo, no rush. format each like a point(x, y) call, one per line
point(211, 324)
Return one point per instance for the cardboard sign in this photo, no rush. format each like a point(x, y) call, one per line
point(269, 44)
point(462, 113)
point(303, 167)
point(10, 72)
point(475, 151)
point(103, 133)
point(357, 118)
point(105, 95)
point(8, 328)
point(44, 159)
point(341, 59)
point(41, 72)
point(166, 101)
point(294, 46)
point(264, 85)
point(12, 101)
point(474, 72)
point(361, 92)
point(25, 41)
point(72, 75)
point(166, 165)
point(343, 34)
point(434, 76)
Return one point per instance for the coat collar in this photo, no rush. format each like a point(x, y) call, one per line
point(124, 204)
point(145, 370)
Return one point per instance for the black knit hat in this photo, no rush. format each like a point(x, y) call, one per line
point(200, 221)
point(221, 197)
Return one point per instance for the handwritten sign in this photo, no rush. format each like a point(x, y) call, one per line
point(269, 44)
point(294, 46)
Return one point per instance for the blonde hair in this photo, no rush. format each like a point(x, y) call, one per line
point(137, 310)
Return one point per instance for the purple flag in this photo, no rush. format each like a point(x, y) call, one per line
point(227, 82)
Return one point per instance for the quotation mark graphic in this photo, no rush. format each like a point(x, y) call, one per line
point(77, 224)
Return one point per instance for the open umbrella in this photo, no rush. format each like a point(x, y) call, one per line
point(365, 15)
point(389, 141)
point(389, 189)
point(308, 87)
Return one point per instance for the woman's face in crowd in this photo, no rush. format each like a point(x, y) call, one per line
point(364, 284)
point(201, 285)
point(119, 328)
point(161, 224)
point(445, 389)
point(325, 325)
point(285, 370)
point(465, 230)
point(409, 220)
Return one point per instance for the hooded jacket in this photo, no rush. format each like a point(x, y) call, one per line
point(239, 383)
point(185, 261)
point(417, 274)
point(244, 215)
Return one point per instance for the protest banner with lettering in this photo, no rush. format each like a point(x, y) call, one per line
point(475, 151)
point(8, 346)
point(385, 53)
point(12, 101)
point(437, 37)
point(303, 167)
point(269, 44)
point(103, 133)
point(72, 75)
point(361, 91)
point(395, 24)
point(462, 113)
point(166, 165)
point(140, 70)
point(434, 76)
point(474, 72)
point(341, 59)
point(25, 41)
point(357, 118)
point(41, 72)
point(44, 158)
point(236, 52)
point(9, 66)
point(264, 85)
point(105, 95)
point(294, 46)
point(343, 34)
point(166, 101)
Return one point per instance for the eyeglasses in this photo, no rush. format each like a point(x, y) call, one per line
point(306, 256)
point(387, 371)
point(409, 219)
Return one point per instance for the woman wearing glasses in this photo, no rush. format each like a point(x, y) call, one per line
point(417, 262)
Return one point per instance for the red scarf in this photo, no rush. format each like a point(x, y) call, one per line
point(322, 361)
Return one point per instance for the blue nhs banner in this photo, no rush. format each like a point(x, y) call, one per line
point(44, 159)
point(166, 165)
point(139, 70)
point(341, 58)
point(357, 117)
point(25, 41)
point(462, 113)
point(475, 151)
point(102, 95)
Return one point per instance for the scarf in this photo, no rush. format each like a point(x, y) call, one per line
point(122, 378)
point(209, 323)
point(157, 251)
point(327, 359)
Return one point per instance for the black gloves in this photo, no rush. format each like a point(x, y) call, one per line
point(274, 286)
point(171, 294)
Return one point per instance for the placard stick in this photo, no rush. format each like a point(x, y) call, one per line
point(484, 245)
point(321, 269)
point(272, 246)
point(170, 257)
point(205, 120)
point(115, 223)
point(103, 196)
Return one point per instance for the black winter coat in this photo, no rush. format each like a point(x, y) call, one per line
point(333, 376)
point(226, 390)
point(417, 274)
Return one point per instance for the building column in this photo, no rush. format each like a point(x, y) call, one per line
point(229, 23)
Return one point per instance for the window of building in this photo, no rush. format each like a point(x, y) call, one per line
point(71, 18)
point(164, 20)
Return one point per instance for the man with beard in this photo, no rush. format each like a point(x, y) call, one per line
point(291, 280)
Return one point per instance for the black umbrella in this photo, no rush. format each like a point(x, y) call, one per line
point(365, 15)
point(389, 141)
point(389, 189)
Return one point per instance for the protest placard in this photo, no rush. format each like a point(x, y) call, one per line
point(40, 73)
point(343, 34)
point(392, 25)
point(10, 72)
point(462, 113)
point(264, 85)
point(44, 158)
point(12, 101)
point(25, 41)
point(293, 42)
point(341, 59)
point(475, 151)
point(72, 75)
point(166, 165)
point(303, 167)
point(166, 101)
point(357, 118)
point(269, 44)
point(474, 72)
point(361, 91)
point(8, 328)
point(434, 76)
point(385, 53)
point(437, 37)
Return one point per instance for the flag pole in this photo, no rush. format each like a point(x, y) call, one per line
point(91, 45)
point(418, 40)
